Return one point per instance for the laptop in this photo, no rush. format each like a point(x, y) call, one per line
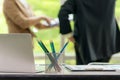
point(16, 53)
point(92, 67)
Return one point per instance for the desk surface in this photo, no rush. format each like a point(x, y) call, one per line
point(65, 75)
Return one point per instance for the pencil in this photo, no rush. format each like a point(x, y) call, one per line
point(57, 57)
point(53, 61)
point(64, 46)
point(45, 50)
point(43, 47)
point(61, 51)
point(53, 48)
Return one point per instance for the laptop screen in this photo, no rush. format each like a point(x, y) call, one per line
point(16, 53)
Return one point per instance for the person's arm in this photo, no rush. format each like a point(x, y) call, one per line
point(36, 21)
point(18, 18)
point(40, 25)
point(65, 28)
point(69, 36)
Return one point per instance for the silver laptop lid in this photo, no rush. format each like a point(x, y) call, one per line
point(16, 53)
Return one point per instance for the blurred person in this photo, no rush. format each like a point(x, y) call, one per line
point(95, 29)
point(20, 17)
point(62, 1)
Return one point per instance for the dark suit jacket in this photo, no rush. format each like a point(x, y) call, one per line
point(94, 26)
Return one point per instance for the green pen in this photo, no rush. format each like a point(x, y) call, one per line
point(53, 49)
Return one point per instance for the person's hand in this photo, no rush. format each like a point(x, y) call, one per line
point(71, 39)
point(40, 25)
point(45, 19)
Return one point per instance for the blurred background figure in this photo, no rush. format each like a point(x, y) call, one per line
point(95, 29)
point(20, 17)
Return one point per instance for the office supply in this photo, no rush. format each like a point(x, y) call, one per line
point(53, 49)
point(54, 64)
point(47, 53)
point(16, 53)
point(43, 46)
point(61, 51)
point(51, 58)
point(64, 47)
point(93, 67)
point(100, 63)
point(57, 57)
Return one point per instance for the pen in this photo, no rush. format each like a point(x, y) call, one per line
point(57, 57)
point(61, 51)
point(64, 46)
point(43, 47)
point(53, 49)
point(45, 50)
point(53, 61)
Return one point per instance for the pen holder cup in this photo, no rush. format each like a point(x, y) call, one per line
point(53, 64)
